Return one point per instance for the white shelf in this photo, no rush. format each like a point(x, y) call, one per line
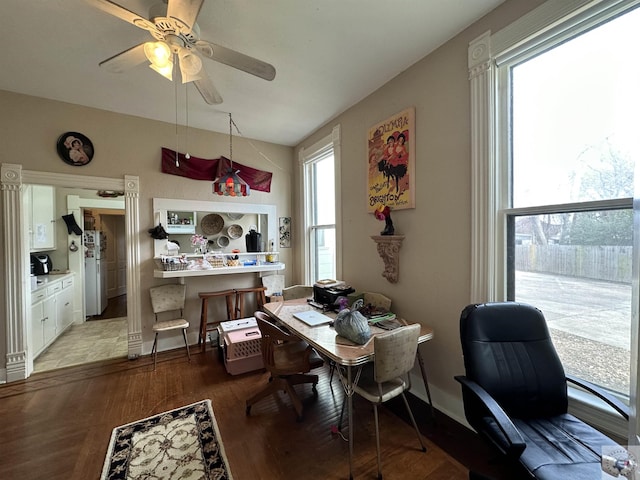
point(269, 267)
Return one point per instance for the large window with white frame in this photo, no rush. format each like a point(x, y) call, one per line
point(320, 194)
point(559, 152)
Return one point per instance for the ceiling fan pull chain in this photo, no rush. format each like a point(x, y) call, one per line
point(175, 89)
point(230, 141)
point(186, 131)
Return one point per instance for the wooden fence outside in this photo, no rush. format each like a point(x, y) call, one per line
point(599, 263)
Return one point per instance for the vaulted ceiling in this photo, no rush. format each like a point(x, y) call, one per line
point(328, 55)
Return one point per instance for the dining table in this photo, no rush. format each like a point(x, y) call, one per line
point(344, 353)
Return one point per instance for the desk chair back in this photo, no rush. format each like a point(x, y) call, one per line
point(508, 351)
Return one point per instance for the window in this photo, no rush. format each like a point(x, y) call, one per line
point(320, 194)
point(553, 164)
point(569, 219)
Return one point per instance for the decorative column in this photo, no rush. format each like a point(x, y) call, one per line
point(16, 266)
point(132, 232)
point(389, 251)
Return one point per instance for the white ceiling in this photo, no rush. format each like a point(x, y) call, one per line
point(328, 55)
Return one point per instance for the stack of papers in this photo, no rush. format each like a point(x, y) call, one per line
point(381, 317)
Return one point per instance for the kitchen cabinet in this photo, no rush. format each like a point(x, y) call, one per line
point(40, 203)
point(43, 324)
point(51, 310)
point(64, 306)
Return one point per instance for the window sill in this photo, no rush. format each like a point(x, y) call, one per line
point(597, 413)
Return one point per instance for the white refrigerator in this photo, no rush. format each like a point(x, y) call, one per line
point(95, 272)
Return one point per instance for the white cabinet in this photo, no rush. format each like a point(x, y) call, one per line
point(51, 312)
point(40, 203)
point(43, 324)
point(64, 306)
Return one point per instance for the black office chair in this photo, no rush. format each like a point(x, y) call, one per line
point(515, 394)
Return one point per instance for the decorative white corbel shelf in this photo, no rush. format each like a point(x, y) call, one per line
point(389, 251)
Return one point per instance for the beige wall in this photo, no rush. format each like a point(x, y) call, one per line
point(129, 145)
point(433, 286)
point(435, 257)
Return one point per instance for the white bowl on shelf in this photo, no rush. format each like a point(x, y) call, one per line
point(223, 241)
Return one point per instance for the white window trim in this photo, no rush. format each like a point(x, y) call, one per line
point(489, 192)
point(331, 140)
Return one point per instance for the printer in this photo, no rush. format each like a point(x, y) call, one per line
point(326, 292)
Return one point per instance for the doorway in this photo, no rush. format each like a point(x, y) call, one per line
point(19, 359)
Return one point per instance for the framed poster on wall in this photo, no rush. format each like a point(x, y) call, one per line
point(391, 165)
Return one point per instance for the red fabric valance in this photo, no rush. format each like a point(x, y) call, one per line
point(210, 169)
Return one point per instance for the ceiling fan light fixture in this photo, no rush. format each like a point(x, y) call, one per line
point(189, 62)
point(166, 71)
point(190, 66)
point(158, 53)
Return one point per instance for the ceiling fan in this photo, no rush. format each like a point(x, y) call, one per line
point(177, 39)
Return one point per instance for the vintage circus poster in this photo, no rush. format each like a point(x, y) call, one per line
point(391, 166)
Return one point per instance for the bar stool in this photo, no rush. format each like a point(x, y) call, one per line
point(205, 324)
point(240, 300)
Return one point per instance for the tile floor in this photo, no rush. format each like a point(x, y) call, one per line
point(89, 342)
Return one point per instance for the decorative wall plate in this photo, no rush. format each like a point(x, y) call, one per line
point(235, 216)
point(75, 149)
point(212, 224)
point(223, 241)
point(234, 231)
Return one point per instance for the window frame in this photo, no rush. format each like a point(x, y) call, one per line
point(488, 58)
point(306, 158)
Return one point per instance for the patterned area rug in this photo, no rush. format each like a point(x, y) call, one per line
point(183, 443)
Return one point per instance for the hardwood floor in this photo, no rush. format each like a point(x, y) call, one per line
point(116, 307)
point(57, 424)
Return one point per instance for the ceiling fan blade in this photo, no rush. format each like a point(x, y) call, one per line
point(125, 60)
point(185, 11)
point(206, 88)
point(124, 14)
point(236, 60)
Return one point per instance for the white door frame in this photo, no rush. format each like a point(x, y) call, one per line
point(17, 287)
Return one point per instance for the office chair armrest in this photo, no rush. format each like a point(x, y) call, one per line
point(515, 444)
point(612, 401)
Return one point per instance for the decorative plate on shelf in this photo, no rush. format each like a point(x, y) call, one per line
point(234, 231)
point(223, 241)
point(235, 216)
point(212, 224)
point(74, 148)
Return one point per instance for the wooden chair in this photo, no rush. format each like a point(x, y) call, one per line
point(241, 298)
point(205, 324)
point(168, 298)
point(288, 359)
